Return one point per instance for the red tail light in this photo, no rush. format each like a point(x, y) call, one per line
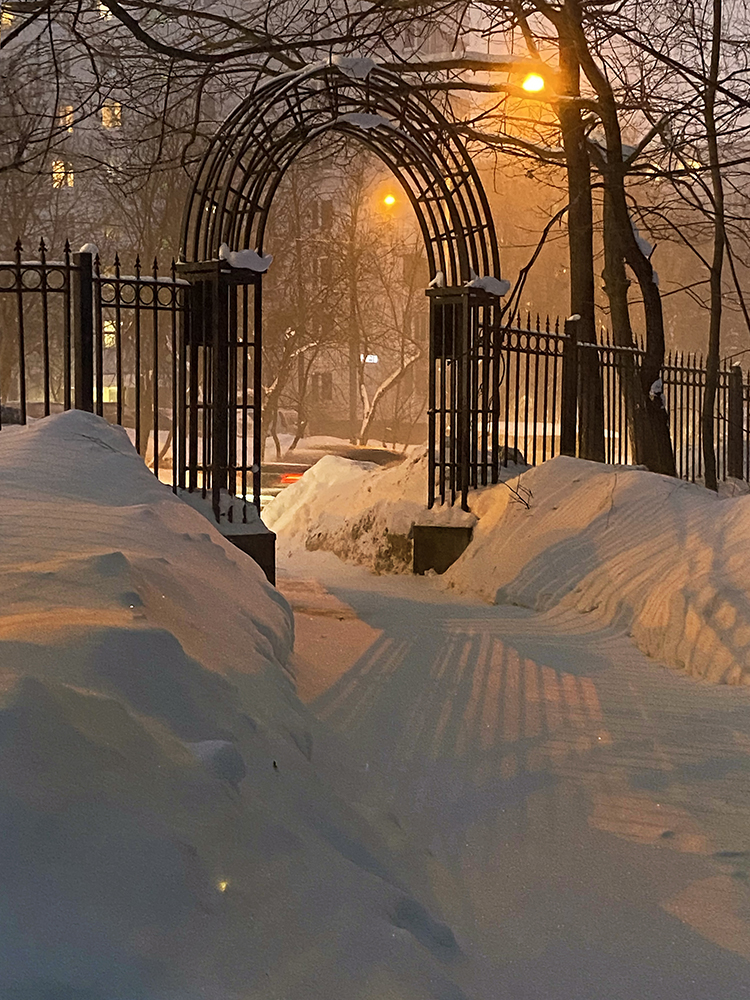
point(290, 477)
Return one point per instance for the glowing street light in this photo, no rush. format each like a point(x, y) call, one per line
point(389, 200)
point(533, 83)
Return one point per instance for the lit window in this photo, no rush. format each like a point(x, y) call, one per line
point(65, 117)
point(104, 12)
point(112, 114)
point(6, 19)
point(62, 174)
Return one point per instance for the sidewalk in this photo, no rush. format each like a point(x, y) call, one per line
point(585, 811)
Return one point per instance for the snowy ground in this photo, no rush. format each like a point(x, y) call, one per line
point(175, 823)
point(585, 811)
point(431, 798)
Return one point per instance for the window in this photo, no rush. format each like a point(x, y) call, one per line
point(62, 174)
point(109, 338)
point(65, 117)
point(6, 20)
point(104, 12)
point(112, 114)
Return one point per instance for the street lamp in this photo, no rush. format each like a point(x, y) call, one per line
point(533, 83)
point(389, 200)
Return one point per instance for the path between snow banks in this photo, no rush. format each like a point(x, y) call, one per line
point(586, 811)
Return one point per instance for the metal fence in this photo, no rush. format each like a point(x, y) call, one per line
point(514, 392)
point(76, 334)
point(73, 334)
point(175, 359)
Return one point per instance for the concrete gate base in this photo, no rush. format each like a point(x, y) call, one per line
point(252, 537)
point(437, 547)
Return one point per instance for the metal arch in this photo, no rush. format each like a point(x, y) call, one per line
point(429, 210)
point(254, 147)
point(261, 148)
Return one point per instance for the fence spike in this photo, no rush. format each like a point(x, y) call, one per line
point(138, 266)
point(557, 324)
point(42, 250)
point(117, 264)
point(546, 324)
point(156, 267)
point(528, 320)
point(97, 263)
point(19, 248)
point(67, 247)
point(538, 323)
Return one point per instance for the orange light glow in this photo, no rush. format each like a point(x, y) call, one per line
point(389, 200)
point(290, 477)
point(533, 83)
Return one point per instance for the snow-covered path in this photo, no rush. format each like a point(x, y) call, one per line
point(585, 812)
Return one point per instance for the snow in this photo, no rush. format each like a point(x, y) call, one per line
point(644, 246)
point(356, 67)
point(362, 120)
point(658, 557)
point(584, 810)
point(175, 823)
point(245, 519)
point(493, 286)
point(438, 281)
point(248, 259)
point(359, 511)
point(471, 787)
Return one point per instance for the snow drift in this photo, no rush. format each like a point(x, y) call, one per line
point(665, 559)
point(362, 513)
point(174, 823)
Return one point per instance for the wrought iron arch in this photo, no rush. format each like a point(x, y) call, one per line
point(247, 159)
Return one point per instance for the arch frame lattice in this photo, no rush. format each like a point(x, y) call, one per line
point(246, 161)
point(230, 202)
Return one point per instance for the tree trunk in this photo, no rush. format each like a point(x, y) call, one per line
point(581, 249)
point(654, 444)
point(717, 262)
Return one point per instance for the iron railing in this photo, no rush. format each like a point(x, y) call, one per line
point(513, 392)
point(76, 334)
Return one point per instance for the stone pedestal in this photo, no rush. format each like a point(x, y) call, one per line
point(438, 546)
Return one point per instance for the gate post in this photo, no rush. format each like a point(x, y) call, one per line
point(220, 393)
point(735, 429)
point(82, 282)
point(464, 429)
point(569, 402)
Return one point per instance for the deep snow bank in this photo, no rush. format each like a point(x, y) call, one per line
point(169, 822)
point(362, 513)
point(665, 558)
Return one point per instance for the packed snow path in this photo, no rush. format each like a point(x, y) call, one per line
point(584, 809)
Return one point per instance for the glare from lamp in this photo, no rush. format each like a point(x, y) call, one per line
point(389, 200)
point(533, 83)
